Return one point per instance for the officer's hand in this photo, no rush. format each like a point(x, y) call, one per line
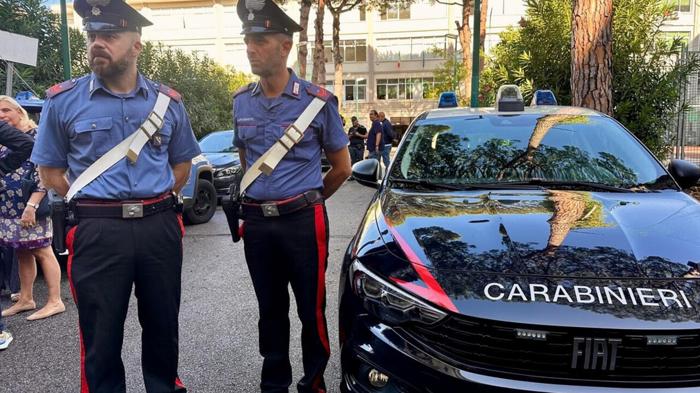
point(28, 217)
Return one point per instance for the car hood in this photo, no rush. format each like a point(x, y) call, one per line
point(521, 255)
point(222, 159)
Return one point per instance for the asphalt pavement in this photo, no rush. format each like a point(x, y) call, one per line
point(218, 318)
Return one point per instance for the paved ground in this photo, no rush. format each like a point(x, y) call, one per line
point(218, 319)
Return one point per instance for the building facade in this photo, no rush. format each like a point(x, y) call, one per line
point(389, 57)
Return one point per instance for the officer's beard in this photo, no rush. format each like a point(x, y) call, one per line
point(111, 69)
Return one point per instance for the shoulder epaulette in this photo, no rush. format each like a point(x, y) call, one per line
point(243, 89)
point(318, 91)
point(55, 90)
point(170, 92)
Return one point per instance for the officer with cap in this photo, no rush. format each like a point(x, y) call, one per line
point(285, 230)
point(127, 230)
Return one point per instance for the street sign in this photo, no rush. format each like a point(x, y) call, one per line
point(17, 48)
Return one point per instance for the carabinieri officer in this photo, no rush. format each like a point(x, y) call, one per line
point(285, 230)
point(128, 232)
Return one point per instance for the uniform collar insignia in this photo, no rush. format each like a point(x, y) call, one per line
point(295, 89)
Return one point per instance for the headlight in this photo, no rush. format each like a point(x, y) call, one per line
point(230, 171)
point(388, 302)
point(200, 158)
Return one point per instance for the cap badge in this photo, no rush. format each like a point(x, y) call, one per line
point(254, 5)
point(96, 4)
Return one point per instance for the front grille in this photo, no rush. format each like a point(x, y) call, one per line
point(492, 348)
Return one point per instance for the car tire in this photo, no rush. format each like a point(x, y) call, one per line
point(204, 205)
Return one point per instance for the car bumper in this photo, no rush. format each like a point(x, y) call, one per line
point(373, 345)
point(222, 185)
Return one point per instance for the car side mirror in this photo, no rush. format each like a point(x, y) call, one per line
point(366, 172)
point(684, 172)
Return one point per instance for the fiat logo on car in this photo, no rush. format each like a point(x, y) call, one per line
point(595, 354)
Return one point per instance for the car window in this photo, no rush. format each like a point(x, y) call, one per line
point(218, 142)
point(550, 147)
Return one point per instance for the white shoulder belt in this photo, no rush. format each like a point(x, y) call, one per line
point(129, 147)
point(292, 135)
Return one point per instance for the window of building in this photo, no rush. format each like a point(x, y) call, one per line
point(363, 13)
point(669, 36)
point(351, 50)
point(355, 89)
point(411, 48)
point(404, 88)
point(681, 5)
point(394, 12)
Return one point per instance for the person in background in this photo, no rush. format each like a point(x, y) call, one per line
point(375, 141)
point(20, 147)
point(357, 135)
point(21, 230)
point(388, 136)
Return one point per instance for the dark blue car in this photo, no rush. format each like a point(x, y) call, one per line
point(223, 155)
point(534, 250)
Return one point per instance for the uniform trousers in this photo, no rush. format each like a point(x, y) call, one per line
point(356, 152)
point(108, 257)
point(283, 250)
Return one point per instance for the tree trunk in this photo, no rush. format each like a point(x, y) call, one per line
point(482, 33)
point(591, 55)
point(465, 39)
point(337, 59)
point(569, 208)
point(318, 75)
point(303, 37)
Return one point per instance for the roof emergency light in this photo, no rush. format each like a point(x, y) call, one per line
point(509, 99)
point(30, 102)
point(448, 99)
point(543, 97)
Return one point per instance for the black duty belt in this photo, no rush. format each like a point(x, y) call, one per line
point(102, 208)
point(256, 208)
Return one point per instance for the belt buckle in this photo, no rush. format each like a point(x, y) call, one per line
point(270, 210)
point(132, 210)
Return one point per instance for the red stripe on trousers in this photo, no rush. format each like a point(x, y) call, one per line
point(182, 224)
point(321, 246)
point(321, 288)
point(70, 239)
point(178, 383)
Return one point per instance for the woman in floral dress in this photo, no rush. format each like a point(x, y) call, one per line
point(21, 230)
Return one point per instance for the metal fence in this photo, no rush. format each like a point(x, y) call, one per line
point(686, 135)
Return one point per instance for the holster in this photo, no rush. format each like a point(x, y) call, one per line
point(231, 204)
point(59, 220)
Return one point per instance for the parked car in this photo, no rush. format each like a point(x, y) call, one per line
point(515, 249)
point(219, 149)
point(199, 194)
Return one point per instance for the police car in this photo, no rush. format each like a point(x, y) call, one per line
point(523, 249)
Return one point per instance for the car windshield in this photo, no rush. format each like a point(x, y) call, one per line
point(218, 142)
point(535, 149)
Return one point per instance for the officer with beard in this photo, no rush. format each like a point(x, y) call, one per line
point(128, 233)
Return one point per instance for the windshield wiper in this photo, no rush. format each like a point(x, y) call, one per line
point(426, 184)
point(463, 186)
point(664, 182)
point(581, 185)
